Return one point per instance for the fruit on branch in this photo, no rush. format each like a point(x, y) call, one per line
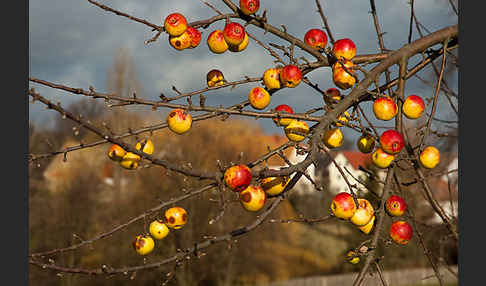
point(130, 161)
point(253, 198)
point(429, 157)
point(343, 118)
point(240, 47)
point(367, 228)
point(343, 206)
point(333, 138)
point(381, 159)
point(352, 257)
point(395, 205)
point(214, 78)
point(176, 217)
point(297, 130)
point(343, 76)
point(271, 78)
point(259, 98)
point(363, 215)
point(366, 143)
point(237, 177)
point(290, 76)
point(181, 42)
point(274, 185)
point(158, 229)
point(384, 108)
point(234, 33)
point(413, 106)
point(175, 24)
point(148, 146)
point(316, 38)
point(283, 108)
point(332, 96)
point(344, 48)
point(401, 232)
point(116, 152)
point(216, 42)
point(179, 121)
point(391, 141)
point(143, 244)
point(249, 7)
point(195, 36)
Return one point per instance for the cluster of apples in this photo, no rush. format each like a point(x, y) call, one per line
point(344, 207)
point(174, 218)
point(400, 231)
point(129, 160)
point(252, 196)
point(181, 35)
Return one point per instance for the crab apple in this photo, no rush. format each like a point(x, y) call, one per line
point(179, 121)
point(130, 161)
point(343, 118)
point(237, 177)
point(158, 229)
point(214, 78)
point(195, 36)
point(316, 38)
point(176, 217)
point(274, 185)
point(271, 78)
point(367, 228)
point(290, 76)
point(363, 214)
point(253, 198)
point(401, 232)
point(333, 138)
point(381, 159)
point(240, 47)
point(116, 152)
point(430, 157)
point(413, 106)
point(343, 206)
point(384, 108)
point(259, 98)
point(216, 42)
point(143, 244)
point(366, 143)
point(148, 146)
point(395, 205)
point(175, 24)
point(297, 130)
point(391, 141)
point(284, 108)
point(344, 48)
point(249, 7)
point(352, 257)
point(181, 42)
point(331, 96)
point(343, 78)
point(234, 33)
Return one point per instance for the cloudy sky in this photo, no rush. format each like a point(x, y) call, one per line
point(74, 43)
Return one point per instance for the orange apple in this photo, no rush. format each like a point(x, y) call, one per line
point(344, 48)
point(316, 38)
point(148, 146)
point(116, 153)
point(367, 228)
point(366, 143)
point(179, 121)
point(143, 244)
point(333, 138)
point(253, 198)
point(195, 36)
point(234, 33)
point(290, 76)
point(331, 96)
point(216, 42)
point(395, 205)
point(413, 106)
point(176, 217)
point(401, 232)
point(363, 214)
point(430, 157)
point(259, 98)
point(175, 24)
point(283, 108)
point(271, 78)
point(181, 42)
point(343, 206)
point(391, 141)
point(240, 47)
point(214, 78)
point(158, 229)
point(297, 130)
point(341, 77)
point(237, 177)
point(385, 108)
point(274, 185)
point(249, 7)
point(130, 161)
point(381, 159)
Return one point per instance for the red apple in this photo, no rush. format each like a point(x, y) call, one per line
point(381, 159)
point(249, 7)
point(283, 108)
point(395, 206)
point(343, 206)
point(332, 95)
point(290, 76)
point(391, 141)
point(344, 48)
point(234, 33)
point(413, 106)
point(195, 36)
point(401, 232)
point(238, 177)
point(316, 38)
point(385, 108)
point(253, 198)
point(216, 42)
point(175, 24)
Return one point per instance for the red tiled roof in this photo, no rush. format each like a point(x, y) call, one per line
point(357, 158)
